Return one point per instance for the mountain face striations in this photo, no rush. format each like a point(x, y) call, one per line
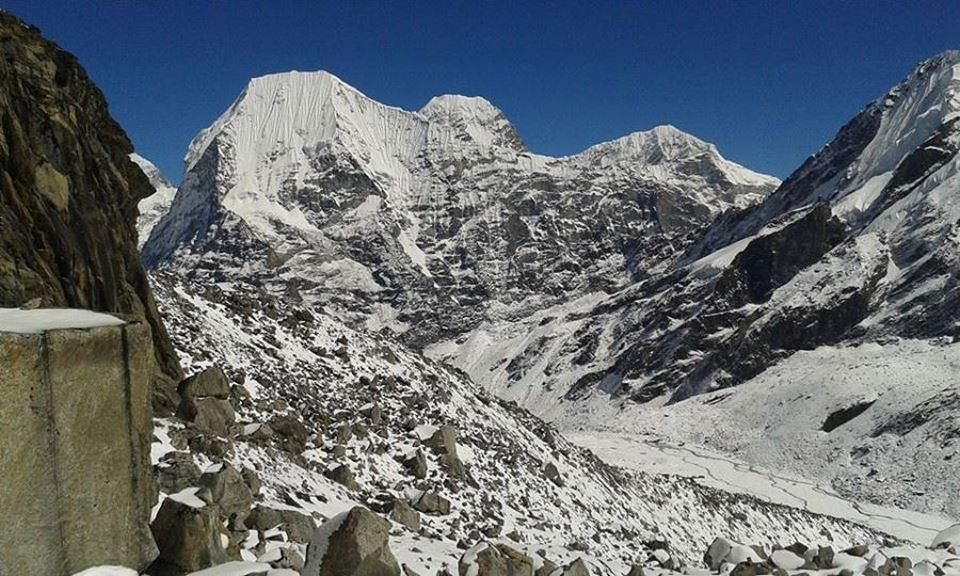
point(428, 222)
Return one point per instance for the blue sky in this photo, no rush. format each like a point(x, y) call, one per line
point(769, 82)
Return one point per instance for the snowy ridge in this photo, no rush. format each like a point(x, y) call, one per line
point(155, 206)
point(872, 146)
point(459, 122)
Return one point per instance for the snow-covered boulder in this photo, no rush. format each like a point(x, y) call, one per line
point(724, 551)
point(786, 560)
point(948, 538)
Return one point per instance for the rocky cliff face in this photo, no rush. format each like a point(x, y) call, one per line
point(69, 191)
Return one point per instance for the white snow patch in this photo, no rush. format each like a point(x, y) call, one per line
point(107, 571)
point(188, 497)
point(235, 568)
point(19, 321)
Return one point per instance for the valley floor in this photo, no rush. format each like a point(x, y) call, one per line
point(867, 433)
point(652, 455)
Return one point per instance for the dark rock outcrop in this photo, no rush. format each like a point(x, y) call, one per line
point(68, 190)
point(770, 261)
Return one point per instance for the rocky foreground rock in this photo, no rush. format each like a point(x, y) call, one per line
point(355, 543)
point(76, 487)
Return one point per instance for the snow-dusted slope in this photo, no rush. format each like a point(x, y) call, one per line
point(421, 222)
point(878, 422)
point(153, 207)
point(307, 366)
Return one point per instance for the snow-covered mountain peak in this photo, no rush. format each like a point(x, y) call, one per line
point(660, 144)
point(290, 113)
point(665, 151)
point(946, 61)
point(469, 120)
point(473, 107)
point(913, 111)
point(152, 172)
point(442, 203)
point(153, 207)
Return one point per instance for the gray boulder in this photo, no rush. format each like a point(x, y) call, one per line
point(188, 536)
point(859, 550)
point(210, 383)
point(355, 543)
point(341, 474)
point(253, 480)
point(373, 413)
point(749, 568)
point(290, 433)
point(896, 566)
point(432, 503)
point(552, 474)
point(416, 463)
point(444, 443)
point(548, 568)
point(177, 471)
point(228, 490)
point(405, 515)
point(343, 434)
point(576, 568)
point(819, 559)
point(208, 415)
point(290, 559)
point(298, 526)
point(487, 559)
point(444, 440)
